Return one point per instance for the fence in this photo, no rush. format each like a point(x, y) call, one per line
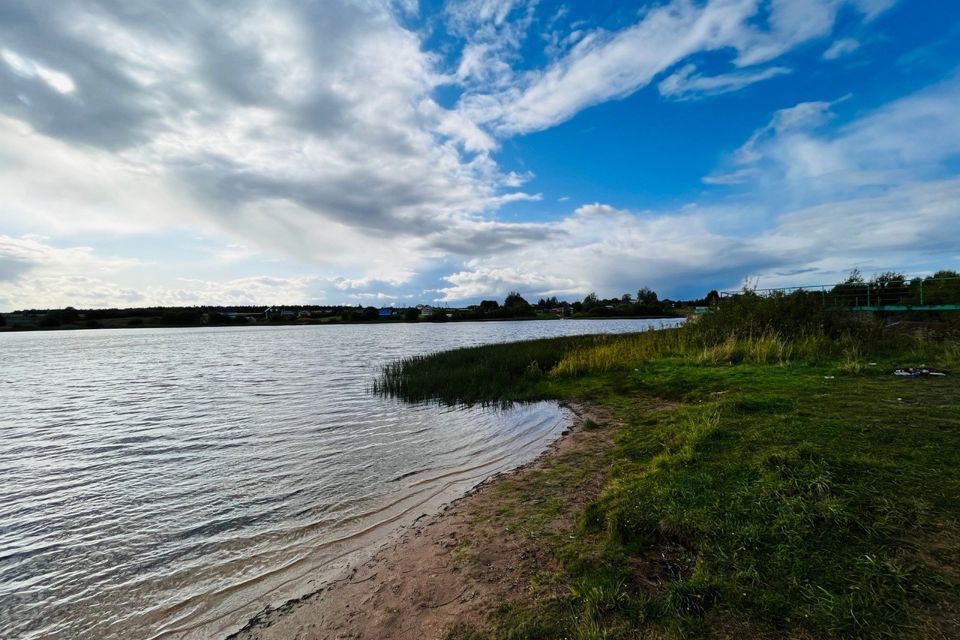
point(916, 294)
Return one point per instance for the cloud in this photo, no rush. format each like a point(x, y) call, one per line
point(86, 292)
point(30, 69)
point(21, 256)
point(604, 65)
point(840, 48)
point(795, 156)
point(662, 250)
point(813, 201)
point(37, 274)
point(307, 129)
point(685, 85)
point(494, 32)
point(581, 255)
point(314, 132)
point(33, 273)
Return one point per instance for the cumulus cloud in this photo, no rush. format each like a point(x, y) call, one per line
point(84, 291)
point(303, 128)
point(21, 256)
point(661, 249)
point(876, 192)
point(313, 131)
point(34, 273)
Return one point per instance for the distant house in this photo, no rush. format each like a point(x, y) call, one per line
point(303, 313)
point(279, 312)
point(425, 310)
point(385, 312)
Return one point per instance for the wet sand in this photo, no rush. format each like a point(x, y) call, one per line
point(459, 565)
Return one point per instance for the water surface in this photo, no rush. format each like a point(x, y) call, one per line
point(173, 482)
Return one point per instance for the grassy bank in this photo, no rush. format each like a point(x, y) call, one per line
point(783, 485)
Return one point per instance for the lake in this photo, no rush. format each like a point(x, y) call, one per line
point(171, 483)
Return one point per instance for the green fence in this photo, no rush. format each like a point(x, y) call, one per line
point(914, 294)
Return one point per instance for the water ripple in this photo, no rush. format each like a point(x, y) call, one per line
point(171, 483)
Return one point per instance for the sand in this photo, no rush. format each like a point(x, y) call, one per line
point(459, 565)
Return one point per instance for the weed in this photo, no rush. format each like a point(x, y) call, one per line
point(591, 425)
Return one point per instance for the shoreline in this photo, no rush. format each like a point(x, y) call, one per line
point(452, 567)
point(137, 327)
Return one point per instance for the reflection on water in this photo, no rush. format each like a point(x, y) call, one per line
point(172, 483)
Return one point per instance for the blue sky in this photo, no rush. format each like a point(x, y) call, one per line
point(368, 152)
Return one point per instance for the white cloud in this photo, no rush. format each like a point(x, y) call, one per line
point(304, 130)
point(494, 31)
point(685, 85)
point(37, 274)
point(907, 140)
point(27, 68)
point(876, 192)
point(664, 249)
point(603, 66)
point(288, 130)
point(840, 48)
point(30, 253)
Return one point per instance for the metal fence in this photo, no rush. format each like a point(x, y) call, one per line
point(914, 294)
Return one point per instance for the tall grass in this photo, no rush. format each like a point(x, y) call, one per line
point(488, 374)
point(779, 330)
point(776, 498)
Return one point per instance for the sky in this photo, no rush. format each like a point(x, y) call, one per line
point(395, 152)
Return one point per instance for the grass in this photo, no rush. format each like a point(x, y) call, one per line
point(794, 486)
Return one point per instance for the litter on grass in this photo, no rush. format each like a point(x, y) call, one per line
point(917, 372)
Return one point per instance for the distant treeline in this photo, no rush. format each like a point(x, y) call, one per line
point(645, 303)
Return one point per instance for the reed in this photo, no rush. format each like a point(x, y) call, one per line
point(801, 489)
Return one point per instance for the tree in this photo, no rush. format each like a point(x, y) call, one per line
point(488, 306)
point(945, 273)
point(412, 314)
point(888, 279)
point(370, 313)
point(647, 297)
point(891, 287)
point(50, 320)
point(515, 300)
point(590, 301)
point(713, 298)
point(942, 288)
point(855, 277)
point(514, 305)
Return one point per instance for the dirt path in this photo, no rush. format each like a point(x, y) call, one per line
point(458, 566)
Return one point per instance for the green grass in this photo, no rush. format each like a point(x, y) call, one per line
point(810, 493)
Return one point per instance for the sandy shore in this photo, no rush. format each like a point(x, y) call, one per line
point(459, 565)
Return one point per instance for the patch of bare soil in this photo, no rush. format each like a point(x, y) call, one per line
point(457, 567)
